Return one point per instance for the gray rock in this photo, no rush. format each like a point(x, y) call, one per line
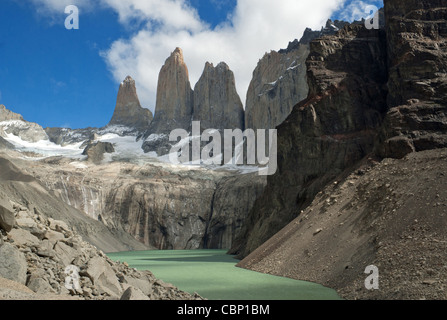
point(13, 265)
point(26, 223)
point(65, 253)
point(53, 236)
point(233, 199)
point(39, 285)
point(142, 284)
point(134, 294)
point(7, 219)
point(58, 225)
point(22, 237)
point(46, 249)
point(103, 277)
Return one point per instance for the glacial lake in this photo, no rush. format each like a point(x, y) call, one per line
point(213, 275)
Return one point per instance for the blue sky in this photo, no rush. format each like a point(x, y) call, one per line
point(58, 77)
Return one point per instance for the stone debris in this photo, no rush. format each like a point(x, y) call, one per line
point(59, 265)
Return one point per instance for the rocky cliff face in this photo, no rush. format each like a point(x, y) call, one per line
point(216, 102)
point(162, 207)
point(417, 45)
point(279, 81)
point(326, 133)
point(174, 104)
point(233, 198)
point(174, 96)
point(128, 111)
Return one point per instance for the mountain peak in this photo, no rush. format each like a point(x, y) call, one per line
point(128, 111)
point(6, 115)
point(128, 81)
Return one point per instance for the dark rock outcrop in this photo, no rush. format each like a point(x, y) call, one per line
point(325, 134)
point(309, 35)
point(66, 136)
point(216, 102)
point(232, 200)
point(417, 46)
point(128, 111)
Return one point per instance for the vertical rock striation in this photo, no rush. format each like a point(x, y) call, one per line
point(216, 102)
point(174, 104)
point(174, 95)
point(279, 81)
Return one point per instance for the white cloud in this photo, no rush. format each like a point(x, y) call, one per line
point(356, 10)
point(254, 28)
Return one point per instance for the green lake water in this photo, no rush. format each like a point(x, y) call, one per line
point(213, 275)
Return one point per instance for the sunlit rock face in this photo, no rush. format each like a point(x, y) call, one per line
point(128, 111)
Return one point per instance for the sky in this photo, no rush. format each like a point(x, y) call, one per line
point(70, 78)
